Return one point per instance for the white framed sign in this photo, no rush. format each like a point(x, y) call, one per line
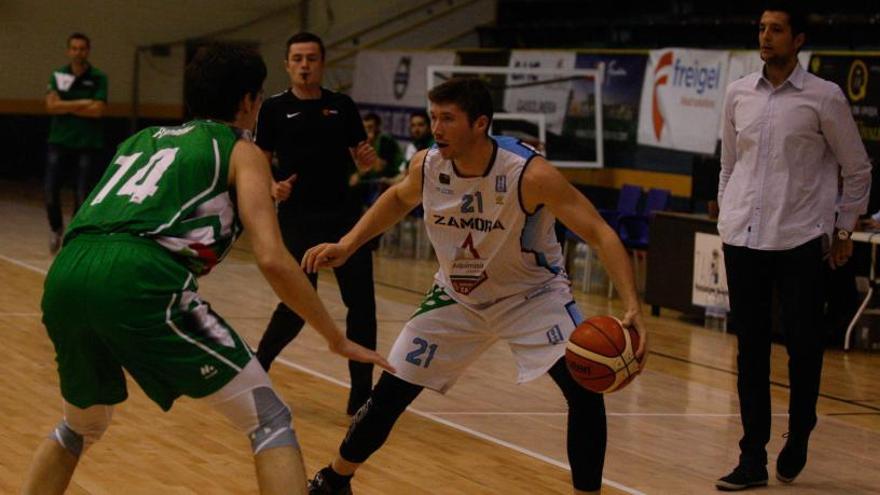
point(710, 277)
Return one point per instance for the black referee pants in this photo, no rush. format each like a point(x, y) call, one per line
point(355, 280)
point(797, 274)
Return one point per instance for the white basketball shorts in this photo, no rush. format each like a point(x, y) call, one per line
point(444, 337)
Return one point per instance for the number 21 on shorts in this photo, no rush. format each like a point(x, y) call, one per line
point(415, 356)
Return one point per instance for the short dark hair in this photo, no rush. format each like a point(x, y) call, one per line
point(219, 76)
point(374, 117)
point(469, 93)
point(79, 36)
point(305, 37)
point(797, 16)
point(419, 113)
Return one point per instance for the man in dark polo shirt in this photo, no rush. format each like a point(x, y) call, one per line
point(318, 141)
point(76, 99)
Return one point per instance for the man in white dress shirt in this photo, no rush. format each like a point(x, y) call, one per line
point(788, 136)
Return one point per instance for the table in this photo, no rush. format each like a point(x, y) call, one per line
point(872, 238)
point(670, 270)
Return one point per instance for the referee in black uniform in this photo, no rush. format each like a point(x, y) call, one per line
point(319, 141)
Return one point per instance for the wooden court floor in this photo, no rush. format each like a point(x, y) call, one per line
point(673, 431)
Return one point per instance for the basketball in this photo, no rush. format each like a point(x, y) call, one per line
point(601, 354)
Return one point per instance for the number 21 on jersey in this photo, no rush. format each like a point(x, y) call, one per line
point(467, 202)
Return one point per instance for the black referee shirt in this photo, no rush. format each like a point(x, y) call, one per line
point(311, 138)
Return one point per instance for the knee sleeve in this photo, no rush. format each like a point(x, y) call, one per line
point(67, 438)
point(273, 425)
point(81, 428)
point(253, 407)
point(372, 424)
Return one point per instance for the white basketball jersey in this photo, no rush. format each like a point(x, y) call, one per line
point(488, 246)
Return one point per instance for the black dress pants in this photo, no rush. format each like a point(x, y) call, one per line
point(798, 275)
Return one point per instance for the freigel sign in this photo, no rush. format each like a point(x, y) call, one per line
point(681, 99)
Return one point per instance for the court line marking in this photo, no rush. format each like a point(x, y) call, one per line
point(855, 402)
point(427, 415)
point(483, 436)
point(23, 264)
point(622, 414)
point(21, 314)
point(687, 361)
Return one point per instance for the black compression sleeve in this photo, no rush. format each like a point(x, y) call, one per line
point(587, 430)
point(372, 424)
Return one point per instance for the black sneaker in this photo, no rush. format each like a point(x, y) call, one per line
point(742, 478)
point(320, 486)
point(792, 458)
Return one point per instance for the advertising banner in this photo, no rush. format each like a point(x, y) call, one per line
point(859, 78)
point(621, 92)
point(710, 279)
point(682, 94)
point(524, 93)
point(392, 84)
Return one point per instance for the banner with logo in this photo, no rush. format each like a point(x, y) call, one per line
point(621, 92)
point(859, 78)
point(523, 95)
point(682, 94)
point(392, 84)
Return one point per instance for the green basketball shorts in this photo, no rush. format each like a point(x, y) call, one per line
point(118, 301)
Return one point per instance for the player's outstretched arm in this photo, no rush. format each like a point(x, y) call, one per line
point(391, 206)
point(542, 184)
point(249, 174)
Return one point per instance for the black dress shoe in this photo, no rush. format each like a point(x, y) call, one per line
point(792, 458)
point(743, 477)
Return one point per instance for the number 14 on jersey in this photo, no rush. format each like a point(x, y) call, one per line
point(143, 183)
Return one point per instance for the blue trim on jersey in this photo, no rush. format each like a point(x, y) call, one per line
point(541, 260)
point(527, 240)
point(574, 313)
point(515, 146)
point(519, 181)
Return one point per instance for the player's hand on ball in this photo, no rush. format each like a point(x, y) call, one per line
point(356, 352)
point(323, 256)
point(633, 320)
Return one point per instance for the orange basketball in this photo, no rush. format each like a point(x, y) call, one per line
point(601, 354)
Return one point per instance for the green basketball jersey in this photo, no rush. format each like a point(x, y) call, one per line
point(71, 130)
point(169, 184)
